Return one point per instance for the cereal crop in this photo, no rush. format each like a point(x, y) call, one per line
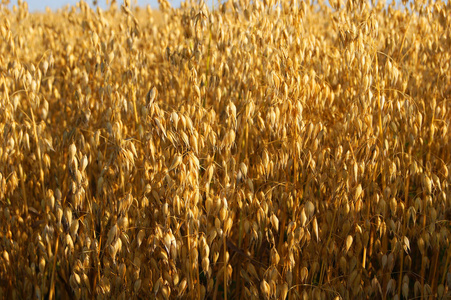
point(250, 150)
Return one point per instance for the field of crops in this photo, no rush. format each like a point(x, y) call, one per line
point(257, 150)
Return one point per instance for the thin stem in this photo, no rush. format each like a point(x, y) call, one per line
point(225, 265)
point(406, 200)
point(381, 166)
point(190, 280)
point(52, 282)
point(38, 152)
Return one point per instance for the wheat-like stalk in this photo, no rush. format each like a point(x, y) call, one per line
point(254, 150)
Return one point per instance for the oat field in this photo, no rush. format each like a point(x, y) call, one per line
point(254, 150)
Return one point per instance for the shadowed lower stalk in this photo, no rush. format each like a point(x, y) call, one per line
point(445, 269)
point(52, 279)
point(224, 241)
point(381, 162)
point(323, 264)
point(434, 273)
point(190, 280)
point(404, 223)
point(426, 194)
point(240, 240)
point(295, 183)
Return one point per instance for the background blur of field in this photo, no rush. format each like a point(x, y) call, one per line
point(42, 5)
point(260, 150)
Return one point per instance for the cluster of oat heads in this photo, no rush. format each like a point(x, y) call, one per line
point(260, 150)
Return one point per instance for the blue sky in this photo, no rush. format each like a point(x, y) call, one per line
point(40, 5)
